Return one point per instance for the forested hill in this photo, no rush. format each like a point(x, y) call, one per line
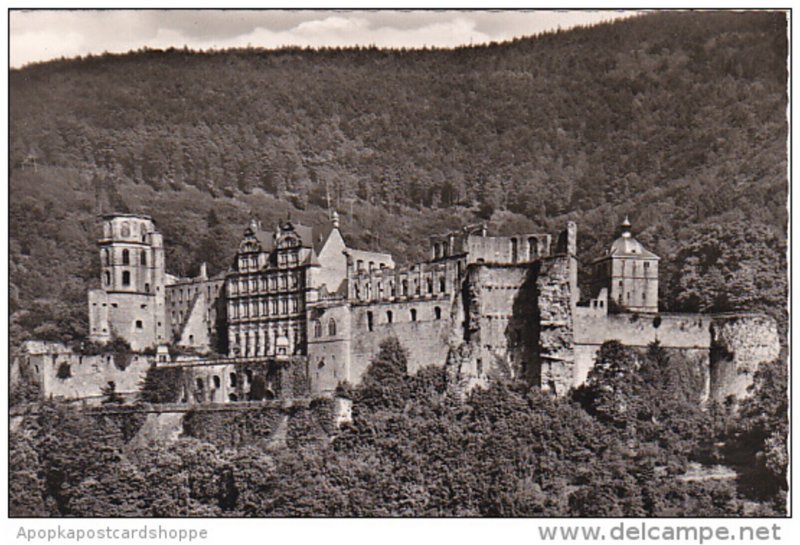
point(678, 119)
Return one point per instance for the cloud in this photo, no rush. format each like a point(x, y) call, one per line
point(43, 34)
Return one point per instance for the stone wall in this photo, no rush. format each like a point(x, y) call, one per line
point(554, 370)
point(422, 330)
point(499, 300)
point(739, 343)
point(84, 376)
point(593, 328)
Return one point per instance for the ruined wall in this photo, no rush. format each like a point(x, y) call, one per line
point(328, 354)
point(593, 327)
point(507, 250)
point(422, 330)
point(739, 343)
point(555, 369)
point(84, 376)
point(131, 316)
point(499, 301)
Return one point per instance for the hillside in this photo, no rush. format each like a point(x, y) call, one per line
point(678, 119)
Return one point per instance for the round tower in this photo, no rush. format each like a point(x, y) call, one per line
point(128, 253)
point(130, 303)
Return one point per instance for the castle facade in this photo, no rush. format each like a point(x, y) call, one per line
point(299, 311)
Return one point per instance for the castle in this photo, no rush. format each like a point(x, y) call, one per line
point(300, 311)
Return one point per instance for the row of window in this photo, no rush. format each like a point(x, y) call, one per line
point(366, 294)
point(126, 257)
point(331, 328)
point(264, 284)
point(285, 259)
point(126, 280)
point(264, 307)
point(178, 293)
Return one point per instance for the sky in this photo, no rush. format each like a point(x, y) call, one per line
point(48, 34)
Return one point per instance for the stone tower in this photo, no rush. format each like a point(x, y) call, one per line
point(629, 272)
point(130, 302)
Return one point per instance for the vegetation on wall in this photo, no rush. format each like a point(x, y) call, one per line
point(675, 118)
point(631, 446)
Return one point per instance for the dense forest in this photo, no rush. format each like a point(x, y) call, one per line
point(675, 118)
point(634, 441)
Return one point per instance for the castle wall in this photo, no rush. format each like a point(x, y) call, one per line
point(499, 322)
point(131, 316)
point(593, 327)
point(329, 355)
point(556, 366)
point(88, 374)
point(507, 250)
point(425, 339)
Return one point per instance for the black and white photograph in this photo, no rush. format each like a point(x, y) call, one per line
point(421, 263)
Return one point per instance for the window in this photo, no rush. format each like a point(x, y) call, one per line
point(437, 312)
point(405, 287)
point(108, 278)
point(360, 265)
point(106, 257)
point(143, 258)
point(126, 257)
point(126, 278)
point(317, 328)
point(199, 384)
point(217, 383)
point(413, 315)
point(139, 324)
point(514, 250)
point(126, 229)
point(147, 287)
point(442, 285)
point(369, 320)
point(388, 316)
point(331, 327)
point(430, 285)
point(532, 248)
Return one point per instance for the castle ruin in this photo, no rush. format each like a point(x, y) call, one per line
point(300, 311)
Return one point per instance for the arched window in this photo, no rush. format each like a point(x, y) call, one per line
point(233, 380)
point(442, 285)
point(126, 229)
point(532, 250)
point(430, 285)
point(108, 278)
point(126, 257)
point(369, 320)
point(438, 313)
point(388, 316)
point(332, 327)
point(317, 328)
point(106, 257)
point(413, 315)
point(143, 258)
point(126, 278)
point(217, 383)
point(405, 287)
